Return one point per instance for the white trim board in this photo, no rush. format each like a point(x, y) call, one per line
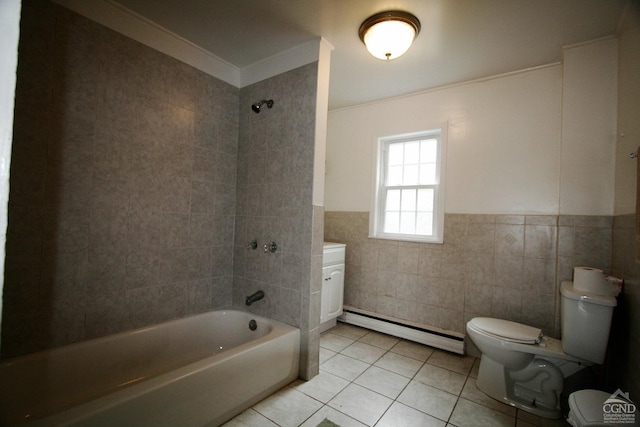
point(137, 27)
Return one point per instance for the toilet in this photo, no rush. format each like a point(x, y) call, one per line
point(586, 408)
point(525, 369)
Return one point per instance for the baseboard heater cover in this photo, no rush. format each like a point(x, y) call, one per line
point(444, 340)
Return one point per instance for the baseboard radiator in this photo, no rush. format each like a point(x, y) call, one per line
point(433, 337)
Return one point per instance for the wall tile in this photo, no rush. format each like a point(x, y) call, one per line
point(107, 314)
point(204, 166)
point(480, 237)
point(509, 271)
point(540, 241)
point(566, 241)
point(153, 305)
point(453, 265)
point(274, 177)
point(539, 275)
point(509, 240)
point(128, 183)
point(539, 312)
point(429, 262)
point(506, 304)
point(385, 283)
point(387, 256)
point(198, 296)
point(479, 268)
point(550, 220)
point(106, 272)
point(592, 247)
point(142, 268)
point(408, 259)
point(510, 219)
point(489, 265)
point(407, 286)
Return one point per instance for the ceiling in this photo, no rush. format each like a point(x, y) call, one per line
point(460, 40)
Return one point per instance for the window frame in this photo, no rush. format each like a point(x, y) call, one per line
point(377, 211)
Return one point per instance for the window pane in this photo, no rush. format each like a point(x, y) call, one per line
point(392, 222)
point(428, 173)
point(407, 223)
point(395, 154)
point(410, 183)
point(393, 200)
point(394, 176)
point(425, 200)
point(411, 152)
point(409, 200)
point(410, 175)
point(428, 150)
point(424, 224)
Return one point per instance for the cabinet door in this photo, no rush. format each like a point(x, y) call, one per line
point(332, 292)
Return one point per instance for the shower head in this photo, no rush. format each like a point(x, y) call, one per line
point(256, 107)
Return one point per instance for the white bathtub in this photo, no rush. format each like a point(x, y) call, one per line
point(196, 371)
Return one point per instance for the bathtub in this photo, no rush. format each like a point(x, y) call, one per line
point(196, 371)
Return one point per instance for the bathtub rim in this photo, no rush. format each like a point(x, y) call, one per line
point(89, 408)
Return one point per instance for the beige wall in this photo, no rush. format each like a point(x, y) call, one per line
point(628, 134)
point(507, 153)
point(502, 153)
point(587, 151)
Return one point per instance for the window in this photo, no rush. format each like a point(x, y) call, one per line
point(409, 197)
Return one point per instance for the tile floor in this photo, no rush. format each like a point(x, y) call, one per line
point(371, 379)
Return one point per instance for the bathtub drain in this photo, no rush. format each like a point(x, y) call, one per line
point(253, 325)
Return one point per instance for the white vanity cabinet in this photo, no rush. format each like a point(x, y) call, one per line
point(332, 284)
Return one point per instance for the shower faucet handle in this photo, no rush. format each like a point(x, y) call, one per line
point(270, 247)
point(252, 244)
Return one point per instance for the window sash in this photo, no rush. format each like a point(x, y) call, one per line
point(425, 224)
point(417, 201)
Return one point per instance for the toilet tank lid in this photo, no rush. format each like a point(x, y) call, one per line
point(567, 290)
point(510, 331)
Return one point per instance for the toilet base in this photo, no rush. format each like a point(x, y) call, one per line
point(495, 381)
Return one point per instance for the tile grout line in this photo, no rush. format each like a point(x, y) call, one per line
point(412, 378)
point(402, 352)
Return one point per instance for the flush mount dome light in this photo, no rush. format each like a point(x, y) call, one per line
point(389, 34)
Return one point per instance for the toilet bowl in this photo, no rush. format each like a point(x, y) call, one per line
point(522, 368)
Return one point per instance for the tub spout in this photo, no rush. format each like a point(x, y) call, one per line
point(254, 297)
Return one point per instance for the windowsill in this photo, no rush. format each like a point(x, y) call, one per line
point(413, 239)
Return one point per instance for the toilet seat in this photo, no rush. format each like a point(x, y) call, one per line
point(523, 338)
point(507, 330)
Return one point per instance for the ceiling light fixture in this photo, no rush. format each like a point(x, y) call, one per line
point(389, 34)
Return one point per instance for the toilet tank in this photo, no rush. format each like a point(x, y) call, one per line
point(586, 322)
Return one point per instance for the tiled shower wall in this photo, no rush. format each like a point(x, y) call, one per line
point(275, 187)
point(123, 176)
point(506, 266)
